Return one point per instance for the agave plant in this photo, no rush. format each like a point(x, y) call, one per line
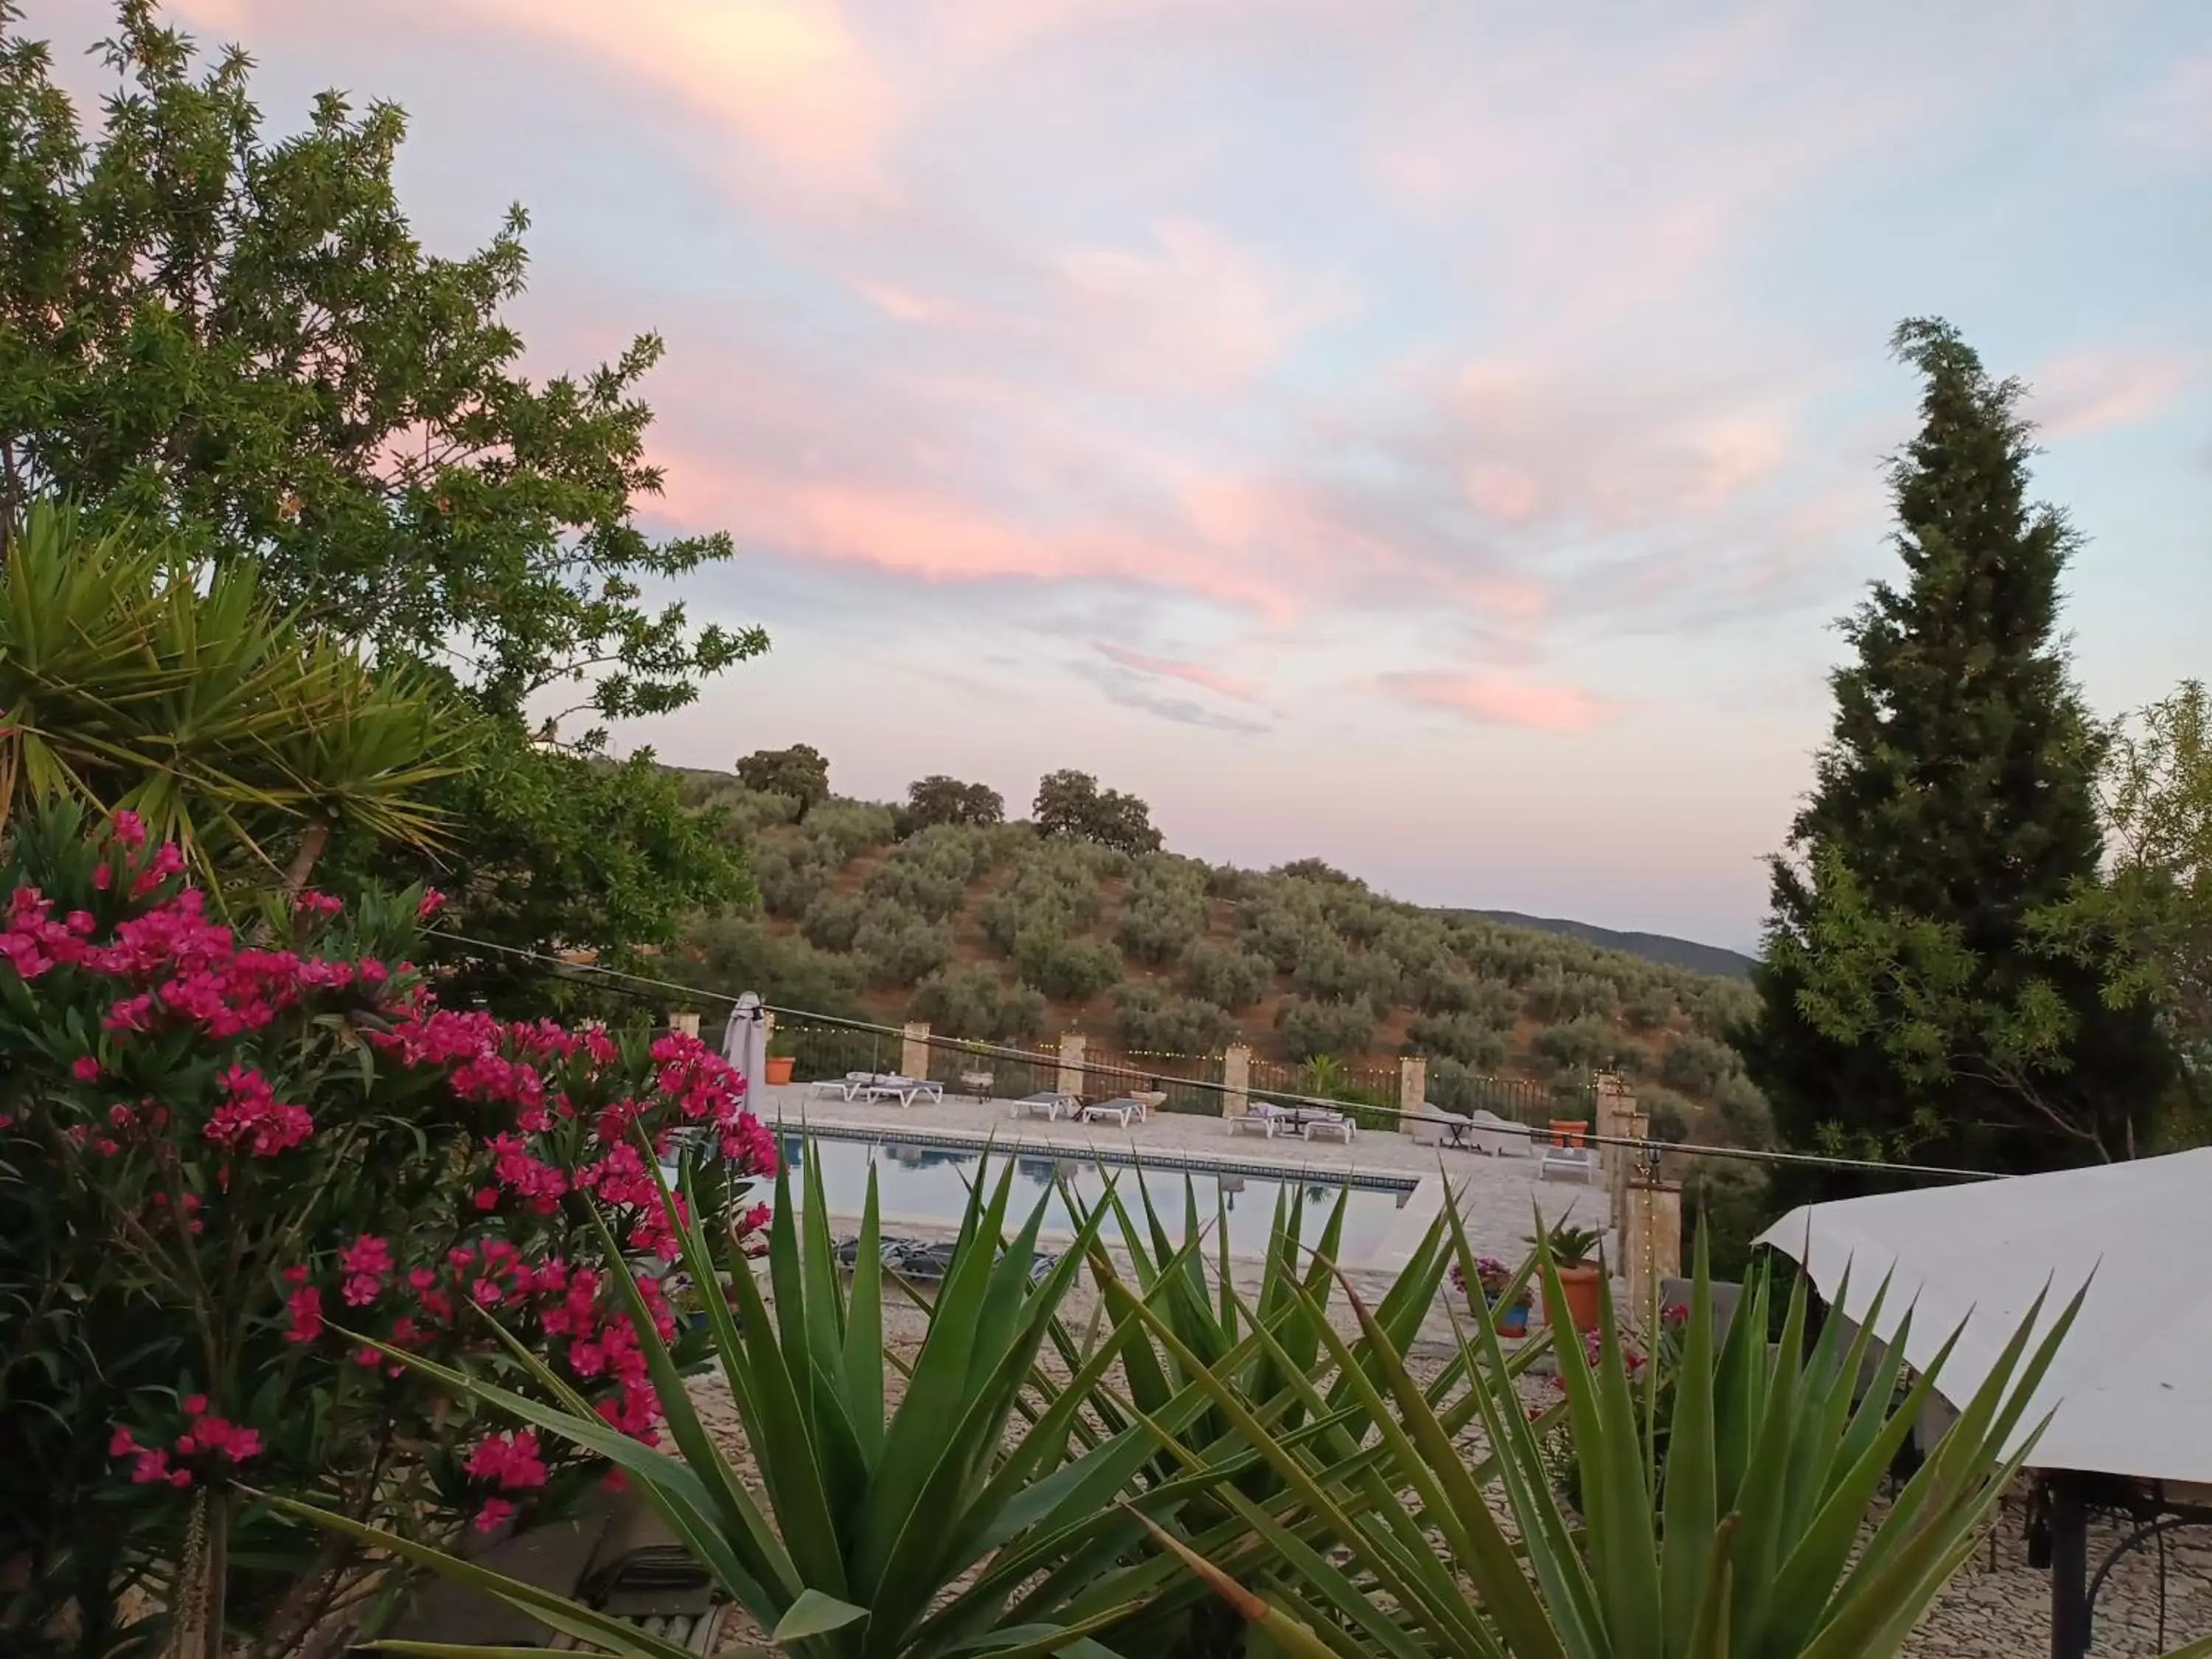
point(1761, 1539)
point(986, 1512)
point(133, 680)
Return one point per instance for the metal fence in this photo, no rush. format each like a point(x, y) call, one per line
point(1190, 1082)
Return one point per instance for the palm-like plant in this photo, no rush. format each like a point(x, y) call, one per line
point(1759, 1539)
point(986, 1512)
point(131, 680)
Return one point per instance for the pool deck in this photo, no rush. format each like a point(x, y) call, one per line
point(1498, 1197)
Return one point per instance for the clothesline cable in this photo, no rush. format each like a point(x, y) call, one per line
point(1647, 1149)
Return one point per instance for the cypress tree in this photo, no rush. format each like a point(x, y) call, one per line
point(1906, 1012)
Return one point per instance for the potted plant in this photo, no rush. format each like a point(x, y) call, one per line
point(779, 1062)
point(1491, 1277)
point(1576, 1260)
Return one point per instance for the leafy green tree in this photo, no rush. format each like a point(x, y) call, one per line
point(1225, 974)
point(1905, 1009)
point(1325, 1028)
point(2148, 926)
point(1072, 805)
point(241, 338)
point(938, 799)
point(801, 772)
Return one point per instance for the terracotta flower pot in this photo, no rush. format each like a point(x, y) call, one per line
point(1579, 1287)
point(779, 1068)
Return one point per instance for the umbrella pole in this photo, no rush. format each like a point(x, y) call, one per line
point(2070, 1570)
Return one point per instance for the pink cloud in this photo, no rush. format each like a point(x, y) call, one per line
point(1199, 674)
point(1497, 700)
point(2096, 390)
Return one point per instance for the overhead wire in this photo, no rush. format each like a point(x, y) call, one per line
point(1647, 1147)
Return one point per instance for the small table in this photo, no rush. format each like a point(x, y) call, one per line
point(1455, 1131)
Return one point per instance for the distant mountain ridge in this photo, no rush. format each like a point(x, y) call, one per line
point(1652, 947)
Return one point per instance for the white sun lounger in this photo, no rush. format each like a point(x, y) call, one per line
point(1329, 1123)
point(1048, 1105)
point(1120, 1110)
point(1260, 1119)
point(904, 1090)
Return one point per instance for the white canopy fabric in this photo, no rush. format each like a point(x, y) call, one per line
point(745, 1045)
point(2130, 1390)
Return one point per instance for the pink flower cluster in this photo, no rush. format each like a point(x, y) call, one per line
point(251, 1114)
point(510, 1462)
point(208, 1443)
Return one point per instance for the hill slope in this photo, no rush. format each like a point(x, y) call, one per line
point(1652, 947)
point(994, 931)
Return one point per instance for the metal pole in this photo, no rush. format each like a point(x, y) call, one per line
point(2069, 1571)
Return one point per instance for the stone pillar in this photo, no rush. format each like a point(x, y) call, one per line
point(1651, 1242)
point(1413, 1090)
point(1070, 1063)
point(1615, 1120)
point(688, 1024)
point(914, 1050)
point(1235, 1081)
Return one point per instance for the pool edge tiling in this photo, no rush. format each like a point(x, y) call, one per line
point(1420, 1198)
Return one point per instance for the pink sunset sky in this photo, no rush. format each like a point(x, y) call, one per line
point(1436, 438)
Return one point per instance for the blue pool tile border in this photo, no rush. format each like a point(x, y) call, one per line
point(955, 1140)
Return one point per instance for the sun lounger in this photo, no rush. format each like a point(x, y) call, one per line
point(904, 1090)
point(1048, 1105)
point(1259, 1118)
point(1120, 1110)
point(1500, 1137)
point(1328, 1123)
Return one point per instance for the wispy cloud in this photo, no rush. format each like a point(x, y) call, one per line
point(1498, 699)
point(2088, 392)
point(1133, 688)
point(1200, 674)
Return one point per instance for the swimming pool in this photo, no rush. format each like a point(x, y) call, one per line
point(921, 1181)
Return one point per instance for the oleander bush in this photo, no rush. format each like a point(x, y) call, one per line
point(230, 1148)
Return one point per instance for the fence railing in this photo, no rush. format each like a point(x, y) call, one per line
point(1192, 1083)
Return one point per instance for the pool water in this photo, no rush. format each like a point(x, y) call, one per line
point(920, 1182)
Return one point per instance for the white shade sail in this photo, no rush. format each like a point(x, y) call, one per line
point(2130, 1391)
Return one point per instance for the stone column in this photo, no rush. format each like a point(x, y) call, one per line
point(686, 1023)
point(1651, 1242)
point(914, 1050)
point(1235, 1081)
point(1070, 1081)
point(1413, 1090)
point(1615, 1113)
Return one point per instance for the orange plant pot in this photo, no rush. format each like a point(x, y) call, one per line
point(779, 1068)
point(1579, 1287)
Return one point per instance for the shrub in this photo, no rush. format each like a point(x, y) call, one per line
point(200, 1166)
point(843, 829)
point(1066, 970)
point(1021, 1015)
point(960, 1002)
point(1576, 1045)
point(1164, 909)
point(1697, 1065)
point(1333, 973)
point(899, 947)
point(736, 955)
point(1746, 1118)
point(1224, 975)
point(832, 919)
point(915, 884)
point(1730, 1197)
point(1563, 996)
point(1669, 1115)
point(1463, 1036)
point(1310, 1027)
point(791, 875)
point(1649, 1011)
point(1316, 870)
point(1491, 1001)
point(1151, 1020)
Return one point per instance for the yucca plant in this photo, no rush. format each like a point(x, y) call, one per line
point(132, 681)
point(986, 1512)
point(1761, 1540)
